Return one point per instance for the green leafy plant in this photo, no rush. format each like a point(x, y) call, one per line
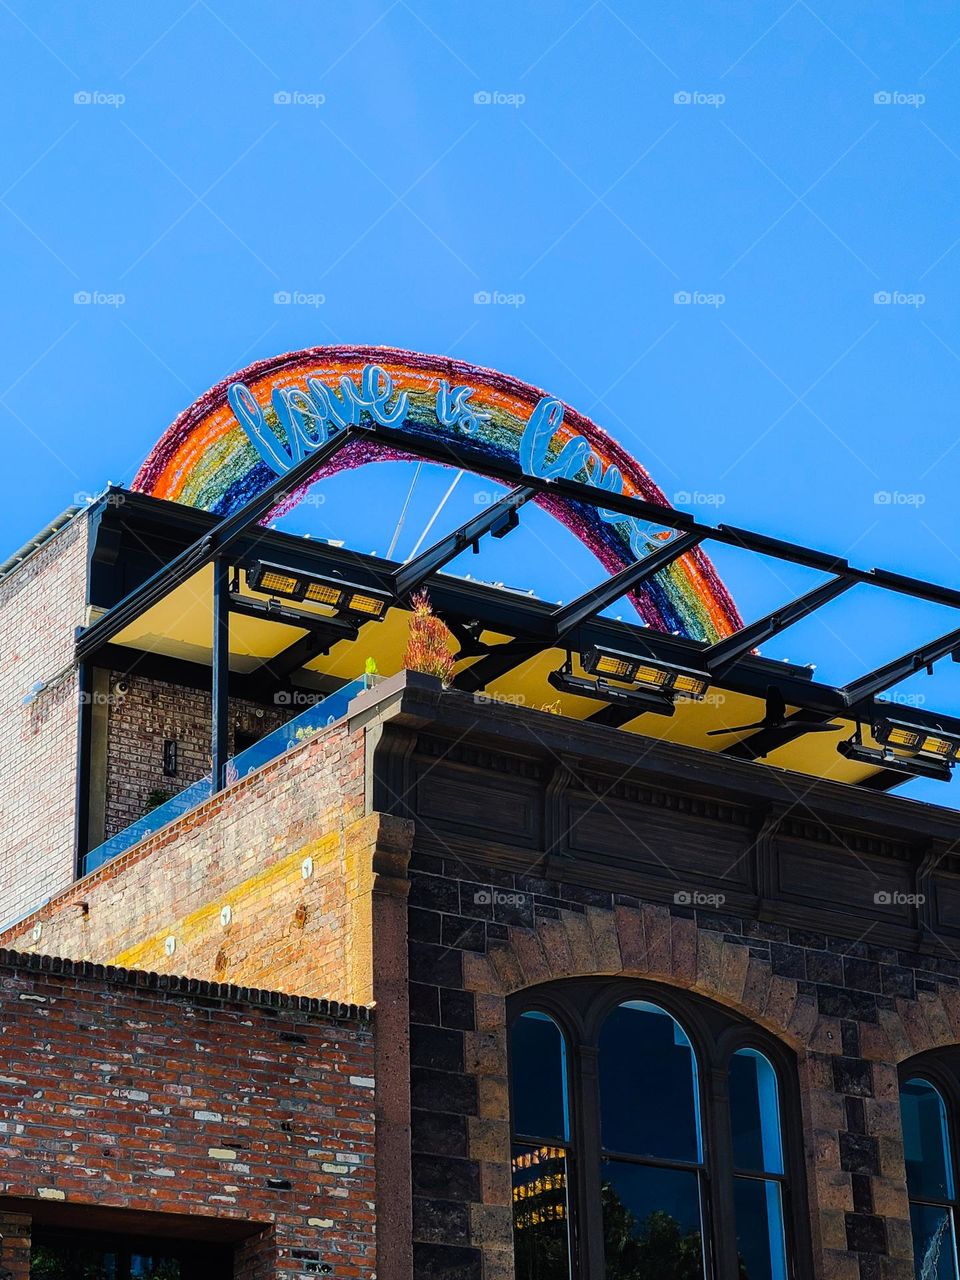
point(156, 798)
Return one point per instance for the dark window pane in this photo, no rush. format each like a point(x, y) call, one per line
point(925, 1141)
point(652, 1227)
point(648, 1085)
point(934, 1245)
point(150, 1267)
point(755, 1113)
point(71, 1262)
point(539, 1083)
point(760, 1243)
point(540, 1235)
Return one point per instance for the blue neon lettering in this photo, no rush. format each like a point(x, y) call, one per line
point(309, 418)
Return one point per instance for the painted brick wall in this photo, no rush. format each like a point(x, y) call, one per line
point(246, 849)
point(139, 721)
point(41, 604)
point(124, 1090)
point(852, 1010)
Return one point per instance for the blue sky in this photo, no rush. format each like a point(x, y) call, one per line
point(787, 162)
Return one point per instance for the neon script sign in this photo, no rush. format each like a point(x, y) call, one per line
point(309, 418)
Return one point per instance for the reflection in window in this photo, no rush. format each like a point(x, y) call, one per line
point(59, 1254)
point(539, 1157)
point(652, 1222)
point(758, 1166)
point(930, 1180)
point(650, 1111)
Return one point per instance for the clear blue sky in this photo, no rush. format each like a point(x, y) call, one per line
point(784, 185)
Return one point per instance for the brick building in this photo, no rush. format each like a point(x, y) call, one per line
point(612, 955)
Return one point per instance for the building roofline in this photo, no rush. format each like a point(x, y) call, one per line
point(178, 985)
point(39, 540)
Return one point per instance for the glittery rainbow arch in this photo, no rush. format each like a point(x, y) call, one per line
point(206, 460)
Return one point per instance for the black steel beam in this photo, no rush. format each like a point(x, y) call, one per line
point(274, 611)
point(496, 520)
point(206, 548)
point(462, 454)
point(498, 661)
point(725, 653)
point(510, 613)
point(883, 780)
point(469, 457)
point(567, 618)
point(761, 743)
point(892, 673)
point(296, 655)
point(570, 616)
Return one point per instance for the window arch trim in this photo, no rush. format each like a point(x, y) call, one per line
point(580, 1006)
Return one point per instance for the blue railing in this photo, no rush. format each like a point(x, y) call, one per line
point(289, 735)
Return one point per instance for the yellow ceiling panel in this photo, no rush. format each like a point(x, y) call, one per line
point(180, 626)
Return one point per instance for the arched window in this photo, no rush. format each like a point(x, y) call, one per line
point(931, 1180)
point(652, 1139)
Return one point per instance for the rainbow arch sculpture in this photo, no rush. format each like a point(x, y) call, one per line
point(237, 437)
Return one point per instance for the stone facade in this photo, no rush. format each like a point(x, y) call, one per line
point(851, 1011)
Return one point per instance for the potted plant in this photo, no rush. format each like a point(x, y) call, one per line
point(427, 648)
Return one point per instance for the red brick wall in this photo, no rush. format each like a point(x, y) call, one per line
point(41, 604)
point(132, 1091)
point(138, 722)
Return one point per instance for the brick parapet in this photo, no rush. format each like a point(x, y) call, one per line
point(265, 884)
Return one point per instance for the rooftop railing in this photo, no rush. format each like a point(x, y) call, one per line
point(296, 731)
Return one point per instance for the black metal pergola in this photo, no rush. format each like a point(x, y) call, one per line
point(535, 627)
